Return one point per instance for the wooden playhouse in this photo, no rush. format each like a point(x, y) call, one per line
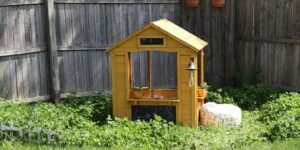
point(155, 71)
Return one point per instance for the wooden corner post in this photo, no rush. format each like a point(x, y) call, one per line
point(52, 51)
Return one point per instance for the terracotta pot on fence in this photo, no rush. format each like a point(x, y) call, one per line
point(192, 3)
point(218, 3)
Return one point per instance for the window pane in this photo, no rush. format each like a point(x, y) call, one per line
point(152, 41)
point(139, 69)
point(163, 70)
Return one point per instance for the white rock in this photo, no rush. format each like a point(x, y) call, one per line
point(226, 114)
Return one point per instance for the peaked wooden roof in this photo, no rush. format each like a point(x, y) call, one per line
point(169, 28)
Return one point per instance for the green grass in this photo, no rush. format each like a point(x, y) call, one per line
point(290, 144)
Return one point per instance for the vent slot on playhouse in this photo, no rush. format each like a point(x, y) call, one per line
point(147, 113)
point(152, 41)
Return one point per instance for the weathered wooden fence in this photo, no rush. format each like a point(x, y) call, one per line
point(268, 37)
point(84, 30)
point(242, 35)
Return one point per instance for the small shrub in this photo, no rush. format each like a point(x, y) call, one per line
point(97, 107)
point(248, 97)
point(219, 95)
point(282, 116)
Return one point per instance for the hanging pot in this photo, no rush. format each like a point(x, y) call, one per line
point(192, 3)
point(218, 3)
point(202, 92)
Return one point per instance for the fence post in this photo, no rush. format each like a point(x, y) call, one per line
point(52, 51)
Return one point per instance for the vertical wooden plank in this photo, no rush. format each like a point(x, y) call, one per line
point(71, 71)
point(61, 63)
point(7, 81)
point(33, 26)
point(77, 63)
point(109, 71)
point(256, 28)
point(76, 24)
point(22, 27)
point(31, 75)
point(44, 25)
point(27, 27)
point(296, 60)
point(2, 85)
point(213, 41)
point(5, 84)
point(100, 71)
point(36, 75)
point(14, 25)
point(13, 78)
point(264, 32)
point(5, 33)
point(63, 25)
point(108, 18)
point(69, 25)
point(102, 26)
point(58, 23)
point(206, 36)
point(280, 52)
point(43, 73)
point(65, 70)
point(92, 69)
point(10, 29)
point(91, 30)
point(82, 33)
point(39, 26)
point(229, 40)
point(19, 76)
point(105, 71)
point(84, 70)
point(291, 50)
point(272, 47)
point(1, 29)
point(52, 52)
point(27, 73)
point(25, 80)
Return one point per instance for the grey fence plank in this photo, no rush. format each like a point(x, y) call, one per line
point(31, 76)
point(25, 72)
point(2, 27)
point(105, 71)
point(99, 70)
point(13, 78)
